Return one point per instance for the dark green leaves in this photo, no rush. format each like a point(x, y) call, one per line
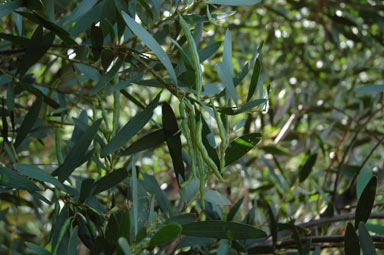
point(9, 7)
point(254, 79)
point(42, 21)
point(38, 174)
point(38, 46)
point(13, 180)
point(371, 88)
point(131, 128)
point(165, 234)
point(365, 203)
point(234, 2)
point(151, 43)
point(146, 142)
point(351, 241)
point(222, 230)
point(29, 120)
point(235, 208)
point(110, 180)
point(171, 130)
point(240, 146)
point(366, 242)
point(306, 166)
point(76, 155)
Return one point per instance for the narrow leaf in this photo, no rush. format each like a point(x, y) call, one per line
point(9, 7)
point(86, 189)
point(171, 129)
point(366, 242)
point(227, 54)
point(235, 208)
point(222, 230)
point(131, 128)
point(234, 2)
point(77, 153)
point(365, 203)
point(240, 146)
point(307, 166)
point(39, 44)
point(371, 88)
point(216, 198)
point(29, 120)
point(110, 180)
point(254, 79)
point(165, 234)
point(124, 245)
point(38, 174)
point(226, 79)
point(13, 180)
point(151, 43)
point(146, 142)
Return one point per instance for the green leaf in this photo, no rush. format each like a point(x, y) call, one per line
point(227, 54)
point(254, 79)
point(106, 58)
point(240, 146)
point(235, 208)
point(184, 56)
point(306, 166)
point(131, 128)
point(37, 249)
point(182, 218)
point(42, 21)
point(272, 223)
point(366, 242)
point(276, 150)
point(86, 189)
point(152, 186)
point(362, 180)
point(208, 51)
point(366, 201)
point(135, 195)
point(72, 245)
point(146, 142)
point(216, 198)
point(151, 43)
point(79, 11)
point(112, 230)
point(226, 79)
point(165, 234)
point(110, 180)
point(245, 107)
point(171, 129)
point(371, 88)
point(18, 40)
point(234, 2)
point(222, 230)
point(107, 77)
point(88, 71)
point(38, 46)
point(124, 245)
point(38, 174)
point(125, 225)
point(29, 120)
point(9, 7)
point(11, 179)
point(76, 154)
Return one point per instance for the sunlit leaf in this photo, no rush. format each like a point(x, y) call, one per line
point(240, 146)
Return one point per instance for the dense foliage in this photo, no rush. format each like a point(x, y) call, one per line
point(191, 127)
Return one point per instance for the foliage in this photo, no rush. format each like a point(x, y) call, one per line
point(191, 127)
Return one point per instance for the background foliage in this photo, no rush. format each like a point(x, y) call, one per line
point(97, 156)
